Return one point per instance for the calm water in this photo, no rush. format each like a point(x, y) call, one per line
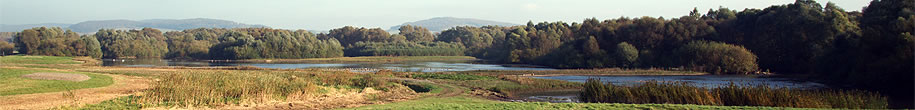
point(360, 67)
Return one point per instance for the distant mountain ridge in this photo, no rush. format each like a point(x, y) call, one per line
point(439, 24)
point(161, 24)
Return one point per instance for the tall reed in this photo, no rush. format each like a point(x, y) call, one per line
point(732, 95)
point(225, 87)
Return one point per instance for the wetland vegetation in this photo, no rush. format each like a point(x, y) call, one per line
point(856, 60)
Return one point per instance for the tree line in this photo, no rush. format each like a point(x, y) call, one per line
point(202, 43)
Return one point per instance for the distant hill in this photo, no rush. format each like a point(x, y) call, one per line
point(439, 24)
point(161, 24)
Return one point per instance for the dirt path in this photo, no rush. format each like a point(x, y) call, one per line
point(122, 86)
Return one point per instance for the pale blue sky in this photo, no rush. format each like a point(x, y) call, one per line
point(327, 14)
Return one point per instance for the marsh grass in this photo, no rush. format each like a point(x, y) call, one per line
point(470, 103)
point(226, 87)
point(229, 87)
point(732, 95)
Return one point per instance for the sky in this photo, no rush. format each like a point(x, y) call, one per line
point(328, 14)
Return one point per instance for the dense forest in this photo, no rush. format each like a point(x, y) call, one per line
point(871, 49)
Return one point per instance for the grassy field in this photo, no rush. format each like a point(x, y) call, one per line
point(469, 103)
point(371, 59)
point(12, 84)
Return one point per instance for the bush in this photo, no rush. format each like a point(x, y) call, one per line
point(6, 48)
point(718, 58)
point(364, 81)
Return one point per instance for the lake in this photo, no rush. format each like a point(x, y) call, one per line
point(357, 67)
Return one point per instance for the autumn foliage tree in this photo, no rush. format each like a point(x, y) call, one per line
point(56, 42)
point(143, 43)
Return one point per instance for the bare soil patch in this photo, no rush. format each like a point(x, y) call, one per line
point(58, 76)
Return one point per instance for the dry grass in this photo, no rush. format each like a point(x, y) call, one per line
point(188, 88)
point(226, 87)
point(733, 95)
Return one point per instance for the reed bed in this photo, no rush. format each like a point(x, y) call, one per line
point(226, 87)
point(733, 95)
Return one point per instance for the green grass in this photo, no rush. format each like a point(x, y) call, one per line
point(121, 103)
point(11, 82)
point(18, 59)
point(467, 103)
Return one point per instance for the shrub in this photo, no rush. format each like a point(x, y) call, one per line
point(369, 81)
point(717, 57)
point(6, 48)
